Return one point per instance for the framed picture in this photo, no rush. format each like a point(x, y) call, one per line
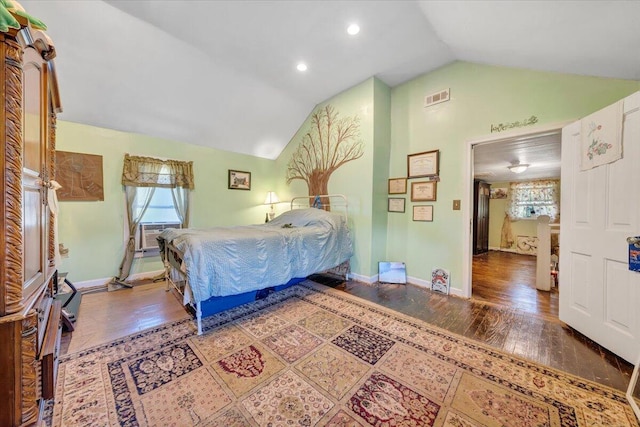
point(396, 204)
point(80, 176)
point(423, 213)
point(423, 164)
point(423, 191)
point(239, 180)
point(440, 280)
point(498, 193)
point(398, 186)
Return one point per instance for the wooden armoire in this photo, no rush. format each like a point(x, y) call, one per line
point(481, 192)
point(29, 318)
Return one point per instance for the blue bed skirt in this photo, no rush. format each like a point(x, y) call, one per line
point(217, 304)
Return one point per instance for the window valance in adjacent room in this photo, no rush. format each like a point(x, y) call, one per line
point(533, 198)
point(139, 171)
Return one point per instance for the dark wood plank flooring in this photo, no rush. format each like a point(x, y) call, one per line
point(509, 279)
point(512, 330)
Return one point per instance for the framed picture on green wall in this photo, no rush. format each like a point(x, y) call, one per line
point(396, 204)
point(239, 180)
point(398, 186)
point(424, 191)
point(423, 164)
point(423, 213)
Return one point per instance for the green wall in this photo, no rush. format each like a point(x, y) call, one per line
point(381, 152)
point(393, 124)
point(94, 231)
point(480, 96)
point(353, 179)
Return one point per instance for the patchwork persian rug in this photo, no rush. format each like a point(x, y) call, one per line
point(314, 356)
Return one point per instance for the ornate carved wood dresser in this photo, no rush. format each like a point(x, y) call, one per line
point(29, 319)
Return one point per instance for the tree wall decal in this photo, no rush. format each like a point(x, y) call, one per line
point(329, 143)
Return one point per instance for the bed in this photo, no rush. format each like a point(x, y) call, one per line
point(219, 268)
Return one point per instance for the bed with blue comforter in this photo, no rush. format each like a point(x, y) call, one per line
point(222, 267)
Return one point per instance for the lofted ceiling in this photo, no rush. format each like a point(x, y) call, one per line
point(223, 73)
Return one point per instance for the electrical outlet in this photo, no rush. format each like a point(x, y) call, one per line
point(456, 205)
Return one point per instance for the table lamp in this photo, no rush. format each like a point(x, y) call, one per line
point(271, 199)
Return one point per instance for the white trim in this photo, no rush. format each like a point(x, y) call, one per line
point(456, 293)
point(97, 283)
point(426, 284)
point(467, 195)
point(94, 283)
point(370, 280)
point(419, 282)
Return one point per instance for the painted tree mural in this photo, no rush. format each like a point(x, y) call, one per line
point(329, 143)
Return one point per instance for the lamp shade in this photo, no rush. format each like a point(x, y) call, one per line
point(519, 168)
point(272, 198)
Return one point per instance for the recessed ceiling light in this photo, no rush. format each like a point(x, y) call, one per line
point(301, 66)
point(353, 29)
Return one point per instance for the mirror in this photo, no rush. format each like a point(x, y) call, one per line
point(633, 392)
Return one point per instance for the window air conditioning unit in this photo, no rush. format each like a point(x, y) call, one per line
point(147, 233)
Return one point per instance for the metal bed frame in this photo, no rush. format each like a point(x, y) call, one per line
point(177, 280)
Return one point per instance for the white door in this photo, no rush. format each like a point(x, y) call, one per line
point(600, 208)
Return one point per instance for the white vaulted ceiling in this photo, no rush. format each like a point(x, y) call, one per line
point(222, 73)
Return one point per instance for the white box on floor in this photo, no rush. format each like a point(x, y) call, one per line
point(392, 272)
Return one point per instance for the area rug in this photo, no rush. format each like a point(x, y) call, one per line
point(314, 356)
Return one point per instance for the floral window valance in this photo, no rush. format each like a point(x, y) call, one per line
point(141, 171)
point(534, 198)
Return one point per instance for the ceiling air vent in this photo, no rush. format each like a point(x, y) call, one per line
point(436, 98)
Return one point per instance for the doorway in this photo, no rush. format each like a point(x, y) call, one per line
point(499, 274)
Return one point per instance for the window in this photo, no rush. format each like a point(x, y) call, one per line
point(161, 207)
point(528, 200)
point(163, 187)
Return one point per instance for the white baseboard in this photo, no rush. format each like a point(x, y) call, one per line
point(97, 283)
point(419, 282)
point(456, 292)
point(411, 280)
point(94, 283)
point(369, 280)
point(427, 285)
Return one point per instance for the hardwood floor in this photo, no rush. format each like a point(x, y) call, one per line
point(512, 330)
point(106, 316)
point(509, 279)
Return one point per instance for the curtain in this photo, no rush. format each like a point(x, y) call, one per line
point(149, 172)
point(134, 197)
point(181, 203)
point(506, 235)
point(140, 177)
point(532, 198)
point(52, 199)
